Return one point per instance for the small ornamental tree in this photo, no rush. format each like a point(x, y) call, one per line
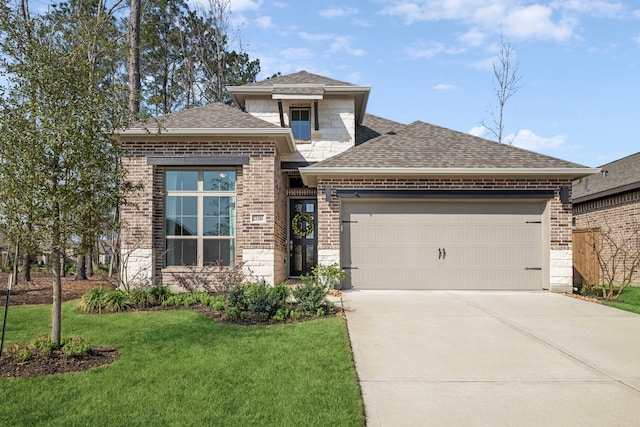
point(63, 99)
point(618, 254)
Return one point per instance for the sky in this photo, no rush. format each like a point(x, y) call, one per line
point(431, 60)
point(579, 63)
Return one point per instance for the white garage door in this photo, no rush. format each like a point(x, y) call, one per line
point(443, 245)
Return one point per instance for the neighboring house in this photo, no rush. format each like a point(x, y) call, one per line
point(299, 174)
point(608, 202)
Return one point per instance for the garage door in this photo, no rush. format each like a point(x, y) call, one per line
point(443, 245)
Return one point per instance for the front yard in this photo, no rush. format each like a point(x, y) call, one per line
point(178, 367)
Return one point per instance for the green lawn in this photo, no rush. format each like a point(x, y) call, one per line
point(179, 368)
point(629, 300)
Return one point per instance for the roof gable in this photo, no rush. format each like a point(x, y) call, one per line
point(618, 176)
point(301, 77)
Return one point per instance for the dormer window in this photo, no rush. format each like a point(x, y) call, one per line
point(301, 123)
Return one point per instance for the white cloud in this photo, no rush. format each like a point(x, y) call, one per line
point(444, 87)
point(528, 140)
point(474, 37)
point(264, 22)
point(479, 130)
point(536, 21)
point(555, 20)
point(343, 44)
point(240, 5)
point(336, 12)
point(297, 53)
point(429, 50)
point(598, 8)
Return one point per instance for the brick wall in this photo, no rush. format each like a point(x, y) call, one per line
point(329, 212)
point(143, 217)
point(618, 216)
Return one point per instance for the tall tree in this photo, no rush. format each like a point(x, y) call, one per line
point(62, 101)
point(134, 58)
point(506, 85)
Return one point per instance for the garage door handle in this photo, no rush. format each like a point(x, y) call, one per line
point(439, 253)
point(444, 253)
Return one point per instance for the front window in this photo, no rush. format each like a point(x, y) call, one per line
point(200, 217)
point(301, 123)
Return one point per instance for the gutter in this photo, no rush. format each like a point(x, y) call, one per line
point(310, 174)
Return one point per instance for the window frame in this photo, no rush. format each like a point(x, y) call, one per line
point(201, 194)
point(291, 120)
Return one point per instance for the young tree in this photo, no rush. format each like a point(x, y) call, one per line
point(63, 100)
point(507, 83)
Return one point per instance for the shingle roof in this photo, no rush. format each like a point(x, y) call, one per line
point(301, 77)
point(211, 116)
point(618, 176)
point(422, 145)
point(374, 126)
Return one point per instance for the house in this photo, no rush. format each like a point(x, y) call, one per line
point(300, 174)
point(608, 202)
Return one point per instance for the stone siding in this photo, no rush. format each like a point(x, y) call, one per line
point(336, 131)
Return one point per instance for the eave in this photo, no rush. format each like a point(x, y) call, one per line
point(311, 174)
point(283, 137)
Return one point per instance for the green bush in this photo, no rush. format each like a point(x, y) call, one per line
point(44, 345)
point(310, 297)
point(172, 300)
point(20, 353)
point(258, 298)
point(159, 293)
point(140, 299)
point(93, 301)
point(217, 302)
point(115, 301)
point(75, 347)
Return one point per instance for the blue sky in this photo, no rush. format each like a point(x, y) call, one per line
point(431, 61)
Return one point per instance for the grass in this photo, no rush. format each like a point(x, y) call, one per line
point(629, 300)
point(179, 368)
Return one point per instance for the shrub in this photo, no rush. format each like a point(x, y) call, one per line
point(159, 293)
point(44, 344)
point(172, 300)
point(217, 302)
point(75, 347)
point(115, 301)
point(325, 276)
point(19, 353)
point(93, 301)
point(140, 299)
point(258, 298)
point(310, 296)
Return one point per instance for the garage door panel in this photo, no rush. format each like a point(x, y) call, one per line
point(402, 245)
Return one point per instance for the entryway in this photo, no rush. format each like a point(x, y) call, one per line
point(303, 242)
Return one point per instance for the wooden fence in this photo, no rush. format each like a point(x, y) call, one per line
point(585, 259)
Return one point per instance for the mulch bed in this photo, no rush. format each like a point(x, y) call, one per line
point(56, 363)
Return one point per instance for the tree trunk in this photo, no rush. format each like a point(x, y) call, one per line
point(134, 59)
point(57, 268)
point(90, 256)
point(26, 267)
point(81, 267)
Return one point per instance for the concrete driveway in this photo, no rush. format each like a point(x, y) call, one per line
point(467, 358)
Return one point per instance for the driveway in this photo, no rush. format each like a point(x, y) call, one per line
point(472, 358)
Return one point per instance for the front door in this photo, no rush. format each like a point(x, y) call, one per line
point(302, 236)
